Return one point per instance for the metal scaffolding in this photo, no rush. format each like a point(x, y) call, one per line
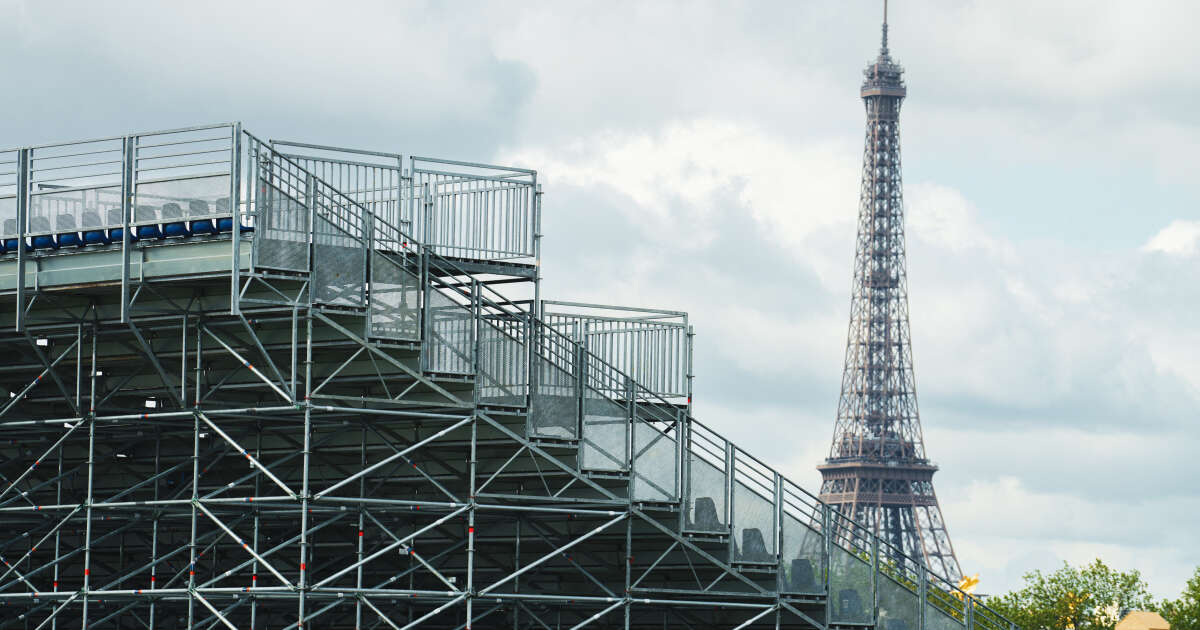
point(255, 384)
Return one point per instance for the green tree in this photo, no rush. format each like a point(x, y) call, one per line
point(1184, 613)
point(1079, 598)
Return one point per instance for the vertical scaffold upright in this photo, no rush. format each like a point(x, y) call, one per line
point(251, 384)
point(877, 472)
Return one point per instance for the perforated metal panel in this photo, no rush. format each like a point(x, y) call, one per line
point(753, 523)
point(803, 558)
point(654, 466)
point(554, 408)
point(942, 618)
point(281, 240)
point(503, 374)
point(450, 334)
point(338, 265)
point(706, 500)
point(605, 433)
point(899, 607)
point(395, 296)
point(850, 588)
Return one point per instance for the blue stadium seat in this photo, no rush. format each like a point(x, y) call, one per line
point(198, 208)
point(144, 214)
point(226, 224)
point(91, 219)
point(174, 229)
point(44, 241)
point(68, 233)
point(115, 234)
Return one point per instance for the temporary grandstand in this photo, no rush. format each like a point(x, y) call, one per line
point(255, 384)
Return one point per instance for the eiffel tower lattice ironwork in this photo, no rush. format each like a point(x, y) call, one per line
point(878, 472)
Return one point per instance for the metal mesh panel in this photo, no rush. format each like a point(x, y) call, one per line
point(283, 231)
point(450, 333)
point(899, 607)
point(803, 561)
point(605, 433)
point(554, 409)
point(850, 588)
point(706, 505)
point(936, 618)
point(338, 265)
point(395, 300)
point(753, 523)
point(653, 463)
point(503, 374)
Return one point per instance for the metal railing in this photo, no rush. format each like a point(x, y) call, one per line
point(653, 346)
point(179, 182)
point(476, 211)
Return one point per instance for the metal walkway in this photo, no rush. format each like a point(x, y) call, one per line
point(249, 384)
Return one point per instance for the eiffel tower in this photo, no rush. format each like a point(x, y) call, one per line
point(878, 472)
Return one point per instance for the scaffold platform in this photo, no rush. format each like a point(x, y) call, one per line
point(269, 384)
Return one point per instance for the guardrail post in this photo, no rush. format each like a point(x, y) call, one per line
point(476, 314)
point(969, 611)
point(128, 178)
point(924, 596)
point(630, 412)
point(426, 287)
point(874, 579)
point(368, 237)
point(22, 220)
point(778, 515)
point(729, 506)
point(685, 472)
point(691, 338)
point(827, 560)
point(580, 381)
point(235, 206)
point(476, 338)
point(679, 457)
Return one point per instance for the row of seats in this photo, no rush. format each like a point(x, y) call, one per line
point(68, 234)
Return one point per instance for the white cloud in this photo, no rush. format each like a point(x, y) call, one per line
point(1180, 238)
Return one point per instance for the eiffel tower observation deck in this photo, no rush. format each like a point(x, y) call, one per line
point(252, 384)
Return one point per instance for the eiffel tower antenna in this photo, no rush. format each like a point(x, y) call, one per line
point(877, 471)
point(883, 47)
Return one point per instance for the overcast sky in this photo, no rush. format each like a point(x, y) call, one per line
point(706, 157)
